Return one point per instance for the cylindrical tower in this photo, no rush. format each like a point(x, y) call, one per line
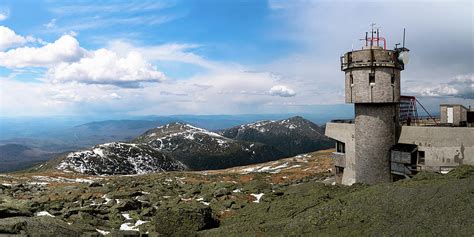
point(372, 83)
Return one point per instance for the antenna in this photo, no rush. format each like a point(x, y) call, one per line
point(366, 36)
point(378, 37)
point(403, 46)
point(372, 33)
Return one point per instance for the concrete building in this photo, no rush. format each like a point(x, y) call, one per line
point(374, 147)
point(453, 114)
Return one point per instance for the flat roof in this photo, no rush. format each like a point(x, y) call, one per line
point(454, 105)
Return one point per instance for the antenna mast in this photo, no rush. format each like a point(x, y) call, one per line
point(403, 46)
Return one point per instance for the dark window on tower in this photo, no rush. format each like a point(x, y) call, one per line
point(393, 79)
point(340, 147)
point(371, 77)
point(352, 79)
point(421, 157)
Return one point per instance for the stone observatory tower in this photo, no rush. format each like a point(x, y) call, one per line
point(372, 84)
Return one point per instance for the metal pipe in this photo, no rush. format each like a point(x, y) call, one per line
point(366, 37)
point(372, 38)
point(378, 39)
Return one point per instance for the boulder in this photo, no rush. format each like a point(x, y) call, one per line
point(37, 226)
point(183, 220)
point(12, 212)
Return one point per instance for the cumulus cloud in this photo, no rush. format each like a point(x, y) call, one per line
point(65, 49)
point(283, 91)
point(166, 52)
point(68, 62)
point(461, 86)
point(106, 67)
point(9, 39)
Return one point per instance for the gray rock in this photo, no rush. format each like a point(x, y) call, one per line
point(221, 192)
point(37, 226)
point(183, 220)
point(12, 212)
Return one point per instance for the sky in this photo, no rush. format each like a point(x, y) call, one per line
point(90, 58)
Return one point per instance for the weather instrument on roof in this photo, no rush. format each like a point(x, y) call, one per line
point(402, 52)
point(403, 57)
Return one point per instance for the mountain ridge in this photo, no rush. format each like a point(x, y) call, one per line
point(182, 146)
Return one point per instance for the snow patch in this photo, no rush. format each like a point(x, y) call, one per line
point(126, 216)
point(103, 232)
point(44, 213)
point(132, 227)
point(257, 196)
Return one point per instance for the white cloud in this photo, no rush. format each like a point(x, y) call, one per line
point(68, 62)
point(106, 67)
point(9, 39)
point(461, 86)
point(4, 14)
point(51, 24)
point(283, 91)
point(65, 49)
point(166, 52)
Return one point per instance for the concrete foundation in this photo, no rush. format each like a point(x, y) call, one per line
point(376, 131)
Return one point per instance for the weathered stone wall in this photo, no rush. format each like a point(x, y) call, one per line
point(382, 91)
point(443, 146)
point(375, 133)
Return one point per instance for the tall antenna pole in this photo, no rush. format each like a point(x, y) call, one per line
point(403, 46)
point(372, 33)
point(377, 37)
point(366, 40)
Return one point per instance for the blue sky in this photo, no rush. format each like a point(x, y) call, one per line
point(217, 57)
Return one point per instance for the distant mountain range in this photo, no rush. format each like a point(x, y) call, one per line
point(16, 157)
point(179, 146)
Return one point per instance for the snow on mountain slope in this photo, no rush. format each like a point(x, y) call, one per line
point(200, 149)
point(175, 136)
point(119, 158)
point(292, 136)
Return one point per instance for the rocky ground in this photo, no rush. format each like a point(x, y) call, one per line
point(294, 196)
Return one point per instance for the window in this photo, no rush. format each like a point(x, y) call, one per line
point(421, 157)
point(372, 78)
point(393, 79)
point(352, 80)
point(339, 170)
point(340, 147)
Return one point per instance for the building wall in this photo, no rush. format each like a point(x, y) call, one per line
point(375, 133)
point(459, 114)
point(382, 91)
point(443, 114)
point(345, 132)
point(443, 146)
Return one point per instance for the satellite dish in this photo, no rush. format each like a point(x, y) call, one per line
point(403, 57)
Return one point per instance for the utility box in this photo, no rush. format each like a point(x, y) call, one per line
point(403, 159)
point(453, 115)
